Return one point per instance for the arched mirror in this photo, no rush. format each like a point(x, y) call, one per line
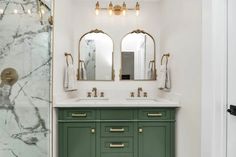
point(96, 57)
point(138, 53)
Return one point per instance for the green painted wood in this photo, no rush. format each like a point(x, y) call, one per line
point(117, 155)
point(155, 140)
point(117, 129)
point(77, 140)
point(77, 114)
point(117, 114)
point(143, 114)
point(126, 141)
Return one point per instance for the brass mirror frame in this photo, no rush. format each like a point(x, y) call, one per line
point(112, 70)
point(155, 70)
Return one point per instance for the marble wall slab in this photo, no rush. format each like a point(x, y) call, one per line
point(25, 106)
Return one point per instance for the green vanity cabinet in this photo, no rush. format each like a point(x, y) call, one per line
point(154, 139)
point(77, 138)
point(116, 132)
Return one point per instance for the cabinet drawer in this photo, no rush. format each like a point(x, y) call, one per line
point(77, 114)
point(117, 155)
point(117, 145)
point(154, 114)
point(117, 114)
point(117, 129)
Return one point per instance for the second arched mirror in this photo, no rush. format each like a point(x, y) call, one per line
point(96, 57)
point(138, 53)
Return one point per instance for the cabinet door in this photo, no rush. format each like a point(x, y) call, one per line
point(154, 139)
point(77, 139)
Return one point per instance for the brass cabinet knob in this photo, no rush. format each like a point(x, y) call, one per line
point(93, 131)
point(140, 130)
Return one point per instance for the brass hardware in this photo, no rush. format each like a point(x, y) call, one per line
point(89, 94)
point(9, 76)
point(167, 55)
point(94, 90)
point(132, 94)
point(140, 130)
point(69, 55)
point(154, 114)
point(79, 114)
point(117, 130)
point(102, 94)
point(92, 130)
point(117, 9)
point(139, 91)
point(50, 20)
point(145, 94)
point(117, 145)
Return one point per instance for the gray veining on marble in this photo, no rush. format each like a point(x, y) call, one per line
point(25, 106)
point(90, 59)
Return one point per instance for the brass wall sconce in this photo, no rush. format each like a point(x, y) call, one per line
point(117, 9)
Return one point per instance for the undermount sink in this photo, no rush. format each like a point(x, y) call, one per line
point(142, 100)
point(93, 99)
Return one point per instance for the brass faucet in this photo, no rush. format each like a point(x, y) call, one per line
point(139, 91)
point(94, 90)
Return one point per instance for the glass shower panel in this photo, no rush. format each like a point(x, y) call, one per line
point(25, 104)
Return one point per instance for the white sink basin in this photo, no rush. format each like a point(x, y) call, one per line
point(143, 100)
point(91, 99)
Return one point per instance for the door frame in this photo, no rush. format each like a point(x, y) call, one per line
point(214, 78)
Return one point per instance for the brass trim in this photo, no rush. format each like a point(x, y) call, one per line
point(112, 145)
point(154, 61)
point(167, 55)
point(117, 130)
point(79, 115)
point(93, 130)
point(154, 114)
point(9, 76)
point(112, 70)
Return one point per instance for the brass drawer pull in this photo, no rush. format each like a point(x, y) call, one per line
point(79, 114)
point(117, 145)
point(117, 130)
point(154, 114)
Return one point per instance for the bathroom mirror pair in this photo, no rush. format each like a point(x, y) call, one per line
point(96, 57)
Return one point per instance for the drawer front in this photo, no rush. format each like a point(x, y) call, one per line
point(117, 155)
point(154, 114)
point(77, 114)
point(117, 129)
point(117, 114)
point(117, 145)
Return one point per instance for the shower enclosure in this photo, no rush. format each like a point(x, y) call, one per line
point(25, 99)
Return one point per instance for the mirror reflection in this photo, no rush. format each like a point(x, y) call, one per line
point(96, 56)
point(138, 56)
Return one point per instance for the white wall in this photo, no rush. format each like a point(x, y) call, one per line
point(63, 41)
point(176, 27)
point(83, 19)
point(181, 37)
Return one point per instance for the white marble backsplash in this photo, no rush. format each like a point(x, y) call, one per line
point(25, 106)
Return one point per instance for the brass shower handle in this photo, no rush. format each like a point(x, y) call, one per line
point(9, 76)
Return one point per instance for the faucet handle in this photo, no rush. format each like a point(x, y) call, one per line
point(102, 94)
point(89, 94)
point(145, 94)
point(132, 94)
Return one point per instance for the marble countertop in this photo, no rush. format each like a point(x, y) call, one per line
point(116, 103)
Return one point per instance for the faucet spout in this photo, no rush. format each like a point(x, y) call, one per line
point(94, 90)
point(139, 91)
